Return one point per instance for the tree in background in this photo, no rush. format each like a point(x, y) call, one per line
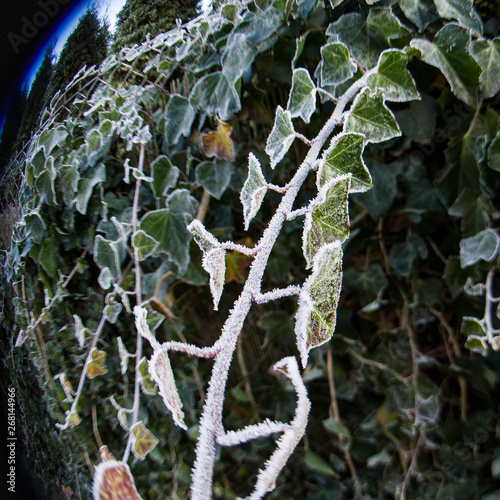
point(140, 17)
point(36, 100)
point(87, 45)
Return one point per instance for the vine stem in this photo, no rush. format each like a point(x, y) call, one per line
point(211, 420)
point(138, 300)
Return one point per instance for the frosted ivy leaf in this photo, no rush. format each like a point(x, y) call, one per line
point(161, 372)
point(344, 156)
point(253, 190)
point(393, 78)
point(112, 311)
point(147, 385)
point(144, 245)
point(317, 312)
point(124, 355)
point(214, 258)
point(487, 55)
point(113, 480)
point(79, 330)
point(281, 137)
point(327, 220)
point(461, 10)
point(370, 116)
point(336, 64)
point(302, 99)
point(143, 440)
point(482, 246)
point(97, 366)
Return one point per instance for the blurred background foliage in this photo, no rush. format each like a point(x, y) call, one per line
point(405, 396)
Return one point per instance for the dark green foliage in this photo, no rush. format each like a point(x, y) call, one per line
point(87, 45)
point(138, 18)
point(13, 118)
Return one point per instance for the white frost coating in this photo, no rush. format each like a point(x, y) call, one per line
point(214, 258)
point(264, 429)
point(281, 137)
point(124, 355)
point(253, 190)
point(319, 200)
point(161, 372)
point(114, 478)
point(79, 330)
point(277, 293)
point(266, 480)
point(142, 326)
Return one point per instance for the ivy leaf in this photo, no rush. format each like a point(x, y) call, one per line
point(144, 245)
point(97, 365)
point(106, 255)
point(281, 137)
point(68, 177)
point(494, 153)
point(317, 312)
point(72, 419)
point(48, 257)
point(96, 146)
point(461, 10)
point(239, 55)
point(336, 64)
point(302, 99)
point(344, 156)
point(45, 183)
point(147, 385)
point(253, 191)
point(113, 480)
point(213, 261)
point(124, 355)
point(214, 176)
point(419, 12)
point(51, 138)
point(487, 55)
point(161, 372)
point(86, 186)
point(218, 143)
point(477, 339)
point(80, 330)
point(112, 311)
point(483, 246)
point(164, 175)
point(215, 96)
point(449, 52)
point(328, 218)
point(168, 226)
point(143, 440)
point(179, 116)
point(370, 116)
point(393, 78)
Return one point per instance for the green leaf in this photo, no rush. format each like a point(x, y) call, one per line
point(73, 419)
point(168, 226)
point(112, 311)
point(483, 246)
point(477, 339)
point(328, 218)
point(419, 12)
point(45, 183)
point(164, 175)
point(336, 64)
point(302, 99)
point(487, 55)
point(370, 116)
point(214, 259)
point(96, 146)
point(144, 245)
point(449, 52)
point(402, 256)
point(51, 138)
point(317, 464)
point(281, 137)
point(344, 156)
point(97, 366)
point(461, 10)
point(366, 284)
point(214, 176)
point(253, 191)
point(86, 186)
point(239, 55)
point(317, 312)
point(393, 78)
point(49, 256)
point(143, 440)
point(147, 385)
point(215, 96)
point(106, 255)
point(179, 116)
point(67, 178)
point(337, 428)
point(494, 153)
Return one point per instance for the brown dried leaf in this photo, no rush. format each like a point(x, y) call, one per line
point(113, 481)
point(218, 142)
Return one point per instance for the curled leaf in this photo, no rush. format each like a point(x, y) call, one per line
point(161, 372)
point(97, 365)
point(218, 143)
point(147, 385)
point(143, 440)
point(253, 190)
